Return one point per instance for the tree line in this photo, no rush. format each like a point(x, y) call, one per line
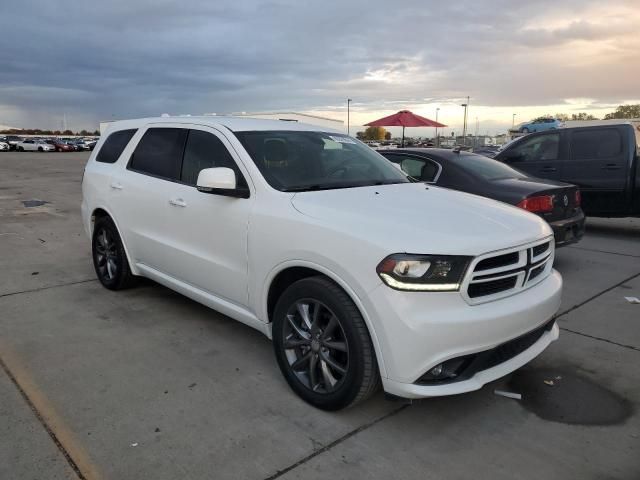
point(622, 112)
point(37, 131)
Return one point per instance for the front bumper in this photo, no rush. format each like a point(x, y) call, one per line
point(417, 331)
point(568, 230)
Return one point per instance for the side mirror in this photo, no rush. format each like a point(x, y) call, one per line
point(220, 181)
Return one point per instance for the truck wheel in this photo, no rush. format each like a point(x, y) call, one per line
point(323, 346)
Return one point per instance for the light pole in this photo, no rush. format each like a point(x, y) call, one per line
point(475, 135)
point(437, 137)
point(348, 119)
point(464, 123)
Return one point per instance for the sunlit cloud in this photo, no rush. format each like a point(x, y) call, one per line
point(94, 61)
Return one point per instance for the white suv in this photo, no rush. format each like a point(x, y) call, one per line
point(359, 274)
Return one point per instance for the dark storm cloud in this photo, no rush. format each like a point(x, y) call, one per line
point(133, 58)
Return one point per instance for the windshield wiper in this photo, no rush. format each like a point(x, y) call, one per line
point(304, 188)
point(336, 186)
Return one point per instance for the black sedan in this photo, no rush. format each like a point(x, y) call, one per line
point(558, 203)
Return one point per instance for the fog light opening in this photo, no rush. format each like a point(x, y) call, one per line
point(445, 371)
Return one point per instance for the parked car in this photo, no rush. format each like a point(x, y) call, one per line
point(80, 144)
point(601, 160)
point(12, 140)
point(90, 143)
point(34, 145)
point(539, 125)
point(4, 147)
point(61, 146)
point(558, 203)
point(303, 234)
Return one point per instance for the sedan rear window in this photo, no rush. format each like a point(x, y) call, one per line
point(485, 167)
point(114, 145)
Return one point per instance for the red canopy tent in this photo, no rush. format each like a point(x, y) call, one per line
point(404, 118)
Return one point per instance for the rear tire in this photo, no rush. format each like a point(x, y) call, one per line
point(109, 257)
point(323, 346)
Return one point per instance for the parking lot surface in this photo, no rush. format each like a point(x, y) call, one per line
point(145, 383)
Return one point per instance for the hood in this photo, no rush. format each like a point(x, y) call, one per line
point(416, 218)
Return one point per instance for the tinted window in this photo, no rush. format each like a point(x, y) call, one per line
point(538, 148)
point(159, 153)
point(205, 150)
point(596, 143)
point(484, 167)
point(299, 161)
point(114, 145)
point(419, 168)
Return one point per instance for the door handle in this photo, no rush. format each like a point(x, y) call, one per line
point(611, 166)
point(177, 202)
point(116, 186)
point(548, 169)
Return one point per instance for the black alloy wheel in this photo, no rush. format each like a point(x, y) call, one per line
point(109, 257)
point(323, 346)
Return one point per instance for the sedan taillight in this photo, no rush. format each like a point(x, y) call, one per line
point(578, 198)
point(541, 204)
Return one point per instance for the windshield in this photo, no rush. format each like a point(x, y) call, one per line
point(297, 161)
point(485, 167)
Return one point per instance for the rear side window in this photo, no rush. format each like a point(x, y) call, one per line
point(205, 150)
point(159, 153)
point(114, 145)
point(602, 143)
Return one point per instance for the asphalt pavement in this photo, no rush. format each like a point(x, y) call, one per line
point(147, 384)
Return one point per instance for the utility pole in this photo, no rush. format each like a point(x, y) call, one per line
point(464, 124)
point(437, 136)
point(348, 119)
point(475, 136)
point(513, 120)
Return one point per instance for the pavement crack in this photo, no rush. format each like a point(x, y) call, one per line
point(631, 347)
point(48, 287)
point(336, 442)
point(593, 297)
point(604, 251)
point(41, 420)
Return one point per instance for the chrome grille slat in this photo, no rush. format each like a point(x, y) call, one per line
point(510, 271)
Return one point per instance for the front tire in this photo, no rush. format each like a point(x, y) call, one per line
point(109, 257)
point(525, 130)
point(323, 346)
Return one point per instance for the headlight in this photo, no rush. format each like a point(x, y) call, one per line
point(424, 273)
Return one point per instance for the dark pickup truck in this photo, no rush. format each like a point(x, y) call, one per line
point(602, 160)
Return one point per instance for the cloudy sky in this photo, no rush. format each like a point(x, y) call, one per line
point(92, 61)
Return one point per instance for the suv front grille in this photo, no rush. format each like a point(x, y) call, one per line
point(491, 287)
point(500, 274)
point(499, 261)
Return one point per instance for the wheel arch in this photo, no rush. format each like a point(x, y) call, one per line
point(99, 212)
point(289, 272)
